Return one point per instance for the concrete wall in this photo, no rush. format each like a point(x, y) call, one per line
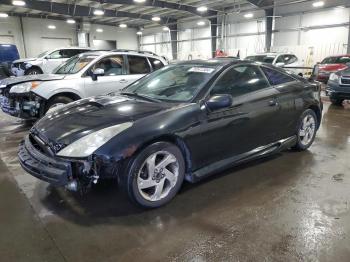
point(126, 37)
point(38, 37)
point(10, 29)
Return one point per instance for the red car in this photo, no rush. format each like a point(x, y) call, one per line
point(330, 65)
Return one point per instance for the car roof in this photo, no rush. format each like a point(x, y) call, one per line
point(271, 54)
point(219, 62)
point(111, 52)
point(347, 55)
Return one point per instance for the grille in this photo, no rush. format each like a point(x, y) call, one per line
point(345, 81)
point(40, 145)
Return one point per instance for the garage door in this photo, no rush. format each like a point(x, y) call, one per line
point(7, 39)
point(52, 43)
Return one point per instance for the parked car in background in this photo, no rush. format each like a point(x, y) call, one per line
point(330, 65)
point(84, 75)
point(8, 53)
point(338, 86)
point(185, 121)
point(45, 62)
point(284, 60)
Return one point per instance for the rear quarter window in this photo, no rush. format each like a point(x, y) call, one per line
point(275, 77)
point(138, 65)
point(156, 63)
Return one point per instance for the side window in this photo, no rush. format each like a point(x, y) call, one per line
point(72, 52)
point(112, 65)
point(156, 64)
point(56, 55)
point(240, 80)
point(280, 59)
point(293, 59)
point(290, 59)
point(138, 65)
point(275, 77)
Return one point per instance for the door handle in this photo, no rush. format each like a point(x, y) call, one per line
point(273, 102)
point(123, 81)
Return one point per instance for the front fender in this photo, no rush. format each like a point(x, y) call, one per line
point(51, 88)
point(174, 125)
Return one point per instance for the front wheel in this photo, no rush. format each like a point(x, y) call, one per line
point(155, 175)
point(306, 130)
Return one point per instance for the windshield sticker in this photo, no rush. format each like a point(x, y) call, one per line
point(206, 70)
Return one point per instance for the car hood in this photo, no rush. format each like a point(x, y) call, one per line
point(331, 67)
point(85, 116)
point(24, 60)
point(28, 78)
point(345, 72)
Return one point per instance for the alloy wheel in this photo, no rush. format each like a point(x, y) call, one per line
point(307, 129)
point(158, 175)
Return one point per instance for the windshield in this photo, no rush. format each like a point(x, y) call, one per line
point(74, 64)
point(42, 54)
point(336, 60)
point(261, 58)
point(176, 83)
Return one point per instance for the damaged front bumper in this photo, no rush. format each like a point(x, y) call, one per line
point(55, 171)
point(37, 158)
point(22, 106)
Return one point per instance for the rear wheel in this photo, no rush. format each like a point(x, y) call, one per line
point(155, 175)
point(57, 102)
point(33, 71)
point(337, 102)
point(306, 130)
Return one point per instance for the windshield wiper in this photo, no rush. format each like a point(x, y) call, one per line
point(140, 96)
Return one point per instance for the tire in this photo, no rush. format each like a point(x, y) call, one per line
point(306, 130)
point(33, 71)
point(337, 102)
point(57, 101)
point(157, 189)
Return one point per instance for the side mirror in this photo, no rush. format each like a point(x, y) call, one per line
point(280, 64)
point(97, 72)
point(217, 102)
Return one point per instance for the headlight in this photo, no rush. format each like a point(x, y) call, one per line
point(86, 145)
point(334, 77)
point(24, 87)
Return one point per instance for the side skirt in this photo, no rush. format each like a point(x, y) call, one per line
point(256, 153)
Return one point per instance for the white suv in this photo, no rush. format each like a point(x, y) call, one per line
point(284, 60)
point(46, 62)
point(88, 74)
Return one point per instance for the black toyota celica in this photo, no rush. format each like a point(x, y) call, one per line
point(184, 122)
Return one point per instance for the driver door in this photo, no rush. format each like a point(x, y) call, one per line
point(53, 60)
point(114, 77)
point(250, 121)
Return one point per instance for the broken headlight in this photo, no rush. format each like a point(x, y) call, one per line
point(24, 87)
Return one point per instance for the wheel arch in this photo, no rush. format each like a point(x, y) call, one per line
point(70, 95)
point(34, 67)
point(318, 113)
point(173, 139)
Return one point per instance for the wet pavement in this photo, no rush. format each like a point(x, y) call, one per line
point(294, 206)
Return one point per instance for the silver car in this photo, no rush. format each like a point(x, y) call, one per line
point(45, 62)
point(85, 75)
